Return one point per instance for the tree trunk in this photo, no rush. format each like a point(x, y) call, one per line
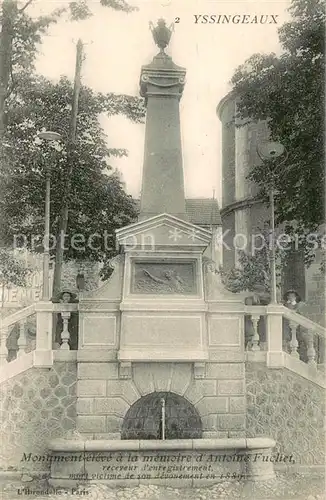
point(9, 12)
point(71, 148)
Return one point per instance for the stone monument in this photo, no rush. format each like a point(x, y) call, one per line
point(162, 328)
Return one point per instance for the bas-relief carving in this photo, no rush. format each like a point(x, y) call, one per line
point(164, 278)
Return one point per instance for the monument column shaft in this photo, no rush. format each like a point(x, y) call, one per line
point(162, 184)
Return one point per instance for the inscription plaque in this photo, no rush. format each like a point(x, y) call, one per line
point(150, 467)
point(177, 461)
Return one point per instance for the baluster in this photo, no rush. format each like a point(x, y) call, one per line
point(311, 352)
point(22, 339)
point(294, 342)
point(3, 346)
point(65, 335)
point(255, 338)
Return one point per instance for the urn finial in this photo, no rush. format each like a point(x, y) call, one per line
point(161, 33)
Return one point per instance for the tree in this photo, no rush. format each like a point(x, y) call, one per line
point(19, 39)
point(25, 113)
point(21, 34)
point(288, 91)
point(251, 273)
point(12, 272)
point(98, 203)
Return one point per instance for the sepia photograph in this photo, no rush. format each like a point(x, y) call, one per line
point(162, 249)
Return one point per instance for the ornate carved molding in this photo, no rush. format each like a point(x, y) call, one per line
point(199, 370)
point(209, 265)
point(164, 79)
point(146, 79)
point(115, 261)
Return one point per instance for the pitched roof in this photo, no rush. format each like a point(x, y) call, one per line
point(201, 211)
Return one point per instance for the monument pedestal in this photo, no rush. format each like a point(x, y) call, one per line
point(163, 306)
point(163, 323)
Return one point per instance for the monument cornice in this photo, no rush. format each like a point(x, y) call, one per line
point(162, 78)
point(195, 236)
point(163, 94)
point(162, 72)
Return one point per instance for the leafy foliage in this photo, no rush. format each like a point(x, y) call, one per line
point(12, 271)
point(80, 10)
point(252, 272)
point(118, 5)
point(289, 92)
point(98, 203)
point(27, 35)
point(28, 31)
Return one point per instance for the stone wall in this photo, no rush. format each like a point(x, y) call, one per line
point(315, 291)
point(40, 404)
point(104, 399)
point(36, 406)
point(228, 152)
point(287, 408)
point(90, 270)
point(228, 253)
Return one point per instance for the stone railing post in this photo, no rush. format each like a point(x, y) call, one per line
point(65, 310)
point(274, 326)
point(43, 355)
point(22, 339)
point(44, 326)
point(65, 335)
point(255, 338)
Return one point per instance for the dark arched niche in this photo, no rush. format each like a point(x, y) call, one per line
point(143, 419)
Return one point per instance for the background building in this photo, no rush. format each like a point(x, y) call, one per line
point(243, 214)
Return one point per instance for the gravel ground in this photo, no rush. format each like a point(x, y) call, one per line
point(294, 487)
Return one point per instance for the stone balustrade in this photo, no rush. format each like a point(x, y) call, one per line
point(31, 329)
point(274, 331)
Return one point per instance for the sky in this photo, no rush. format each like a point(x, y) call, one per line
point(118, 44)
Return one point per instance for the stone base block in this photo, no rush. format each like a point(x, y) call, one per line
point(107, 435)
point(178, 463)
point(231, 422)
